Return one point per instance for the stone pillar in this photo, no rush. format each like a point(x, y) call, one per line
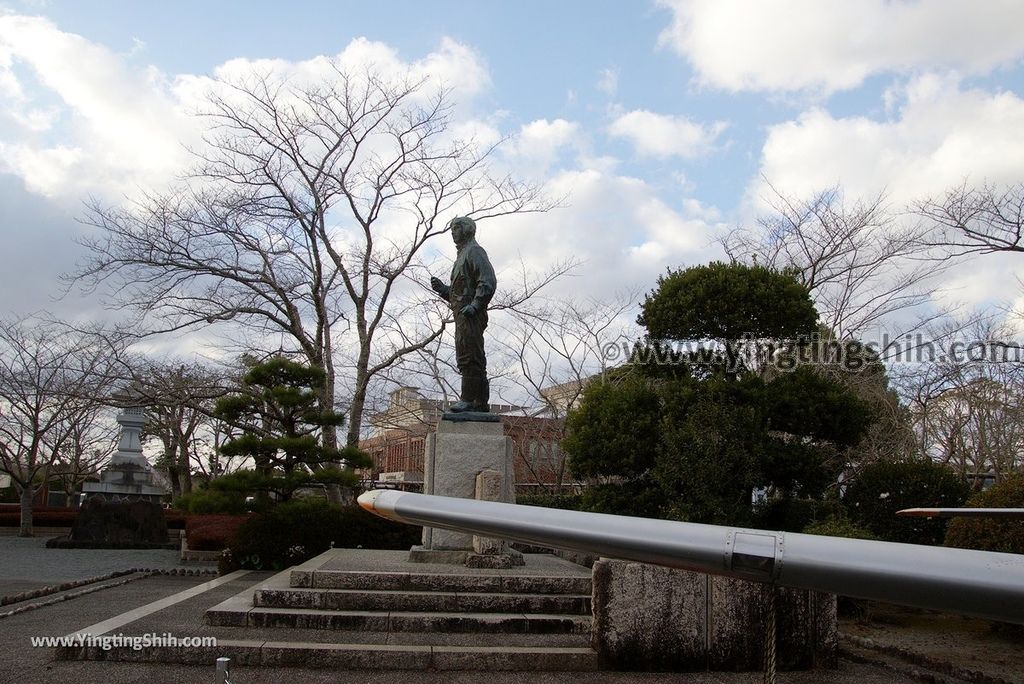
point(489, 552)
point(454, 456)
point(489, 487)
point(648, 617)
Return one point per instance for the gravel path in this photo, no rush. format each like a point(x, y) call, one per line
point(26, 563)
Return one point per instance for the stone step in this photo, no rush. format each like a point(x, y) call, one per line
point(459, 583)
point(424, 601)
point(355, 656)
point(397, 621)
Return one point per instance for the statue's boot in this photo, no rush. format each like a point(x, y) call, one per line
point(461, 407)
point(475, 391)
point(466, 402)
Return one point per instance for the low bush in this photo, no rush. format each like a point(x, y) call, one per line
point(992, 534)
point(839, 527)
point(883, 488)
point(795, 515)
point(176, 518)
point(295, 531)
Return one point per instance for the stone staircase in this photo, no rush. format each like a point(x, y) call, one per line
point(387, 613)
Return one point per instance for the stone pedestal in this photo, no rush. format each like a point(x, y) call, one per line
point(455, 455)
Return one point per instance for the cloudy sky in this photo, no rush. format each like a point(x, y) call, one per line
point(660, 121)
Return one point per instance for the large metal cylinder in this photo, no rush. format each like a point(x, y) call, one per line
point(979, 583)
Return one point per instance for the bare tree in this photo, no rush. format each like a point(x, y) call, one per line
point(551, 350)
point(975, 220)
point(858, 261)
point(86, 441)
point(180, 399)
point(309, 208)
point(968, 408)
point(555, 347)
point(48, 373)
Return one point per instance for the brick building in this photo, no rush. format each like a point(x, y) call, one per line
point(399, 439)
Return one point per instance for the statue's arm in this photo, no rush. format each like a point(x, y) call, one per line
point(486, 282)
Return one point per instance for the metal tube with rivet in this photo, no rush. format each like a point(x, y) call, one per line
point(979, 583)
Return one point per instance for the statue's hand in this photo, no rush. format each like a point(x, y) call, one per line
point(469, 310)
point(437, 285)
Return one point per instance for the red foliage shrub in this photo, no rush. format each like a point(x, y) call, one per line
point(175, 519)
point(43, 516)
point(212, 532)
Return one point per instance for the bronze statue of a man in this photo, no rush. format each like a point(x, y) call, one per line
point(472, 287)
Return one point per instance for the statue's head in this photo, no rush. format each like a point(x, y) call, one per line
point(463, 229)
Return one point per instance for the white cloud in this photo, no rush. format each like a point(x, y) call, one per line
point(663, 136)
point(608, 82)
point(937, 136)
point(827, 46)
point(125, 127)
point(483, 133)
point(539, 144)
point(120, 132)
point(616, 225)
point(940, 135)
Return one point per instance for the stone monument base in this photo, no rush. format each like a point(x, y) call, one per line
point(471, 417)
point(102, 523)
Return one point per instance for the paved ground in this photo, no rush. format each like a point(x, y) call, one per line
point(32, 665)
point(26, 563)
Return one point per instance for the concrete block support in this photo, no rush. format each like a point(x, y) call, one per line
point(649, 617)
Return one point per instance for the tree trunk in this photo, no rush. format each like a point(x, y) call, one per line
point(355, 413)
point(326, 399)
point(172, 475)
point(184, 468)
point(27, 493)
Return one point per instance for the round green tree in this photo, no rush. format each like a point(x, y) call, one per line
point(691, 435)
point(727, 302)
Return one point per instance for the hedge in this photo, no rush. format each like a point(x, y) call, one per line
point(50, 516)
point(295, 531)
point(883, 488)
point(212, 532)
point(992, 534)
